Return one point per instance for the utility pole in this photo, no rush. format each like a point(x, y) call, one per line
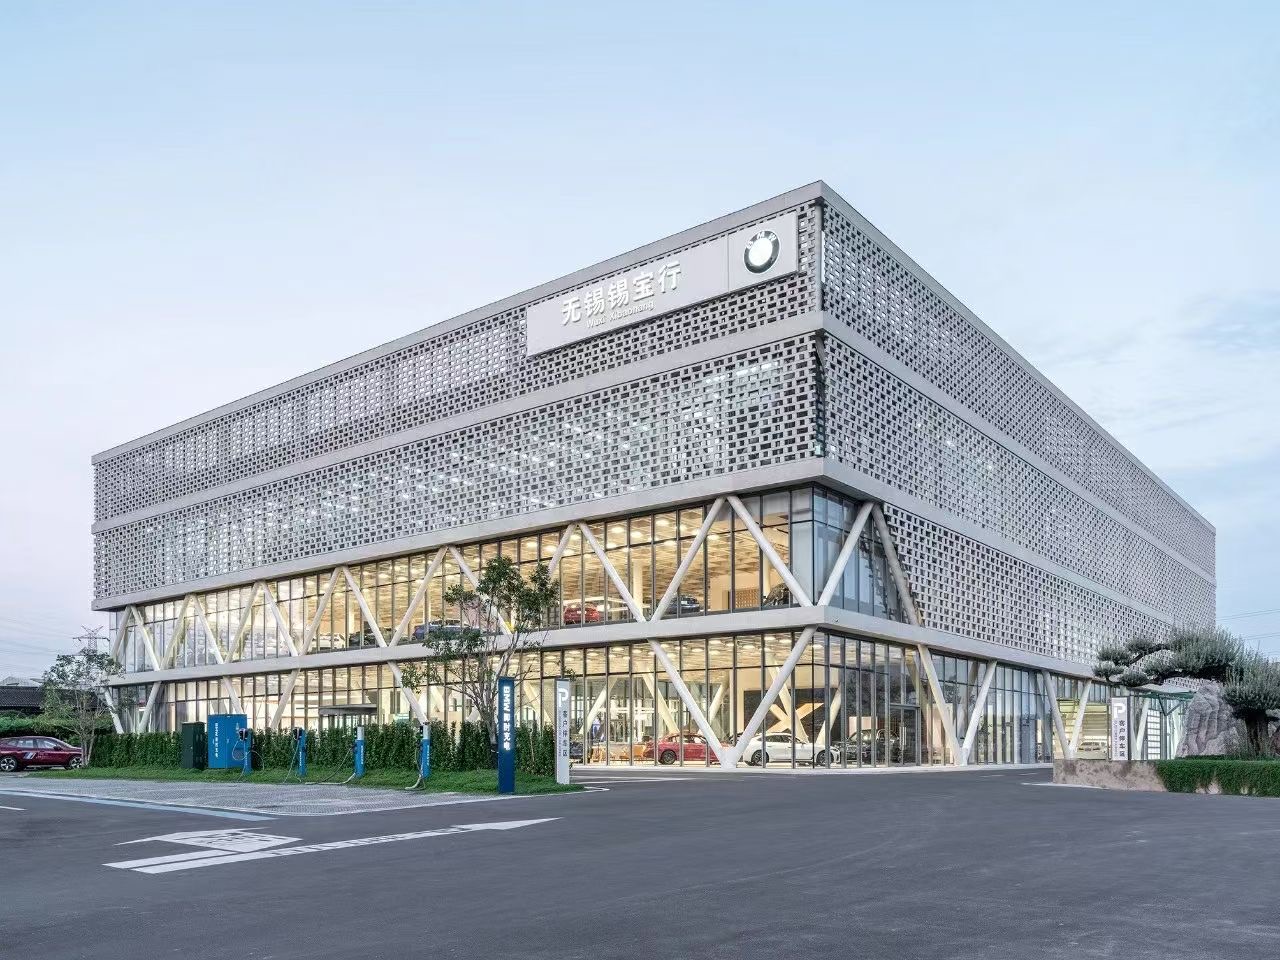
point(89, 637)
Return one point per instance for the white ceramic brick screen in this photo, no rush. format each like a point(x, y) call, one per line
point(967, 588)
point(867, 289)
point(742, 411)
point(884, 428)
point(442, 375)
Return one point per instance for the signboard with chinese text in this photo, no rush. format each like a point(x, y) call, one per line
point(563, 697)
point(506, 735)
point(1119, 728)
point(742, 259)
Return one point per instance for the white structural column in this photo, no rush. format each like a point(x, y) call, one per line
point(235, 645)
point(686, 562)
point(944, 714)
point(1139, 729)
point(1078, 726)
point(145, 723)
point(846, 553)
point(365, 612)
point(210, 638)
point(230, 691)
point(286, 692)
point(310, 635)
point(616, 580)
point(797, 592)
point(977, 711)
point(180, 634)
point(414, 706)
point(1059, 728)
point(269, 599)
point(770, 695)
point(913, 617)
point(122, 631)
point(418, 596)
point(895, 567)
point(726, 759)
point(113, 707)
point(475, 585)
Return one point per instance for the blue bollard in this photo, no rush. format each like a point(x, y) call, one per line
point(302, 753)
point(424, 753)
point(359, 752)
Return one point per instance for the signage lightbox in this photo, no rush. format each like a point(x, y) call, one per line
point(563, 696)
point(1119, 728)
point(741, 259)
point(506, 735)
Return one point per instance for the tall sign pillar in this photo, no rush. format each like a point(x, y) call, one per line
point(506, 735)
point(1119, 728)
point(564, 692)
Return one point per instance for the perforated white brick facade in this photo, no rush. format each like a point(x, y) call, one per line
point(1043, 536)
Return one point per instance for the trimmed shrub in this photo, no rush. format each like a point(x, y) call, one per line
point(391, 746)
point(1255, 778)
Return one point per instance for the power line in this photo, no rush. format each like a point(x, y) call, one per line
point(1255, 613)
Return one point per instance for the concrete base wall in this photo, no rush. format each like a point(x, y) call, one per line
point(1109, 774)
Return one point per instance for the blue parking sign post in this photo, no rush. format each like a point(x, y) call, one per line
point(506, 735)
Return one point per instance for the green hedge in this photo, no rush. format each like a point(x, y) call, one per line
point(20, 725)
point(387, 747)
point(1257, 778)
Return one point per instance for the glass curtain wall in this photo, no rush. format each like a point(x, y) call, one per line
point(805, 526)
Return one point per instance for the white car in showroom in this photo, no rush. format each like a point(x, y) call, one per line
point(778, 748)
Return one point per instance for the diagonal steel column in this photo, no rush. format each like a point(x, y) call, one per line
point(798, 593)
point(846, 553)
point(726, 759)
point(1059, 728)
point(269, 599)
point(944, 714)
point(616, 580)
point(418, 594)
point(762, 710)
point(895, 567)
point(310, 635)
point(673, 588)
point(977, 711)
point(286, 692)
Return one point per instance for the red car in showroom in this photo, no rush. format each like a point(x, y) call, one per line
point(691, 746)
point(19, 752)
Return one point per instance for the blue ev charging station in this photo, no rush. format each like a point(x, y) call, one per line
point(224, 739)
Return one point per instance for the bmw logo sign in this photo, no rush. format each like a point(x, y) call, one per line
point(762, 251)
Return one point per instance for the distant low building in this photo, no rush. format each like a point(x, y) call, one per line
point(20, 695)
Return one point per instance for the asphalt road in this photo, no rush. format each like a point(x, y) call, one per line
point(973, 865)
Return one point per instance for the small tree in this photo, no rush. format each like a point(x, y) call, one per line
point(1195, 653)
point(472, 658)
point(1251, 690)
point(75, 695)
point(1250, 683)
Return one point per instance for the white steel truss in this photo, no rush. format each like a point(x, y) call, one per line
point(959, 746)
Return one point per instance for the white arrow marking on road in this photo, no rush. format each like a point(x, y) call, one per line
point(210, 858)
point(11, 808)
point(227, 841)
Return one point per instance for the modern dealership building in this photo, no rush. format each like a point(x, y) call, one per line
point(802, 506)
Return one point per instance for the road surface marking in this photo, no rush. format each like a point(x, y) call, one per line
point(137, 804)
point(225, 841)
point(209, 858)
point(2, 807)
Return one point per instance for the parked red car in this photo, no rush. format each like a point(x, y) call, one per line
point(670, 749)
point(19, 752)
point(576, 613)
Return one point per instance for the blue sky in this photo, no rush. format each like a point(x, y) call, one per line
point(197, 202)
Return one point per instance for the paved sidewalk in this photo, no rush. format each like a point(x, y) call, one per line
point(282, 800)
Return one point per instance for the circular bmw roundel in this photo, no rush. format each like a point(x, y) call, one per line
point(762, 251)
